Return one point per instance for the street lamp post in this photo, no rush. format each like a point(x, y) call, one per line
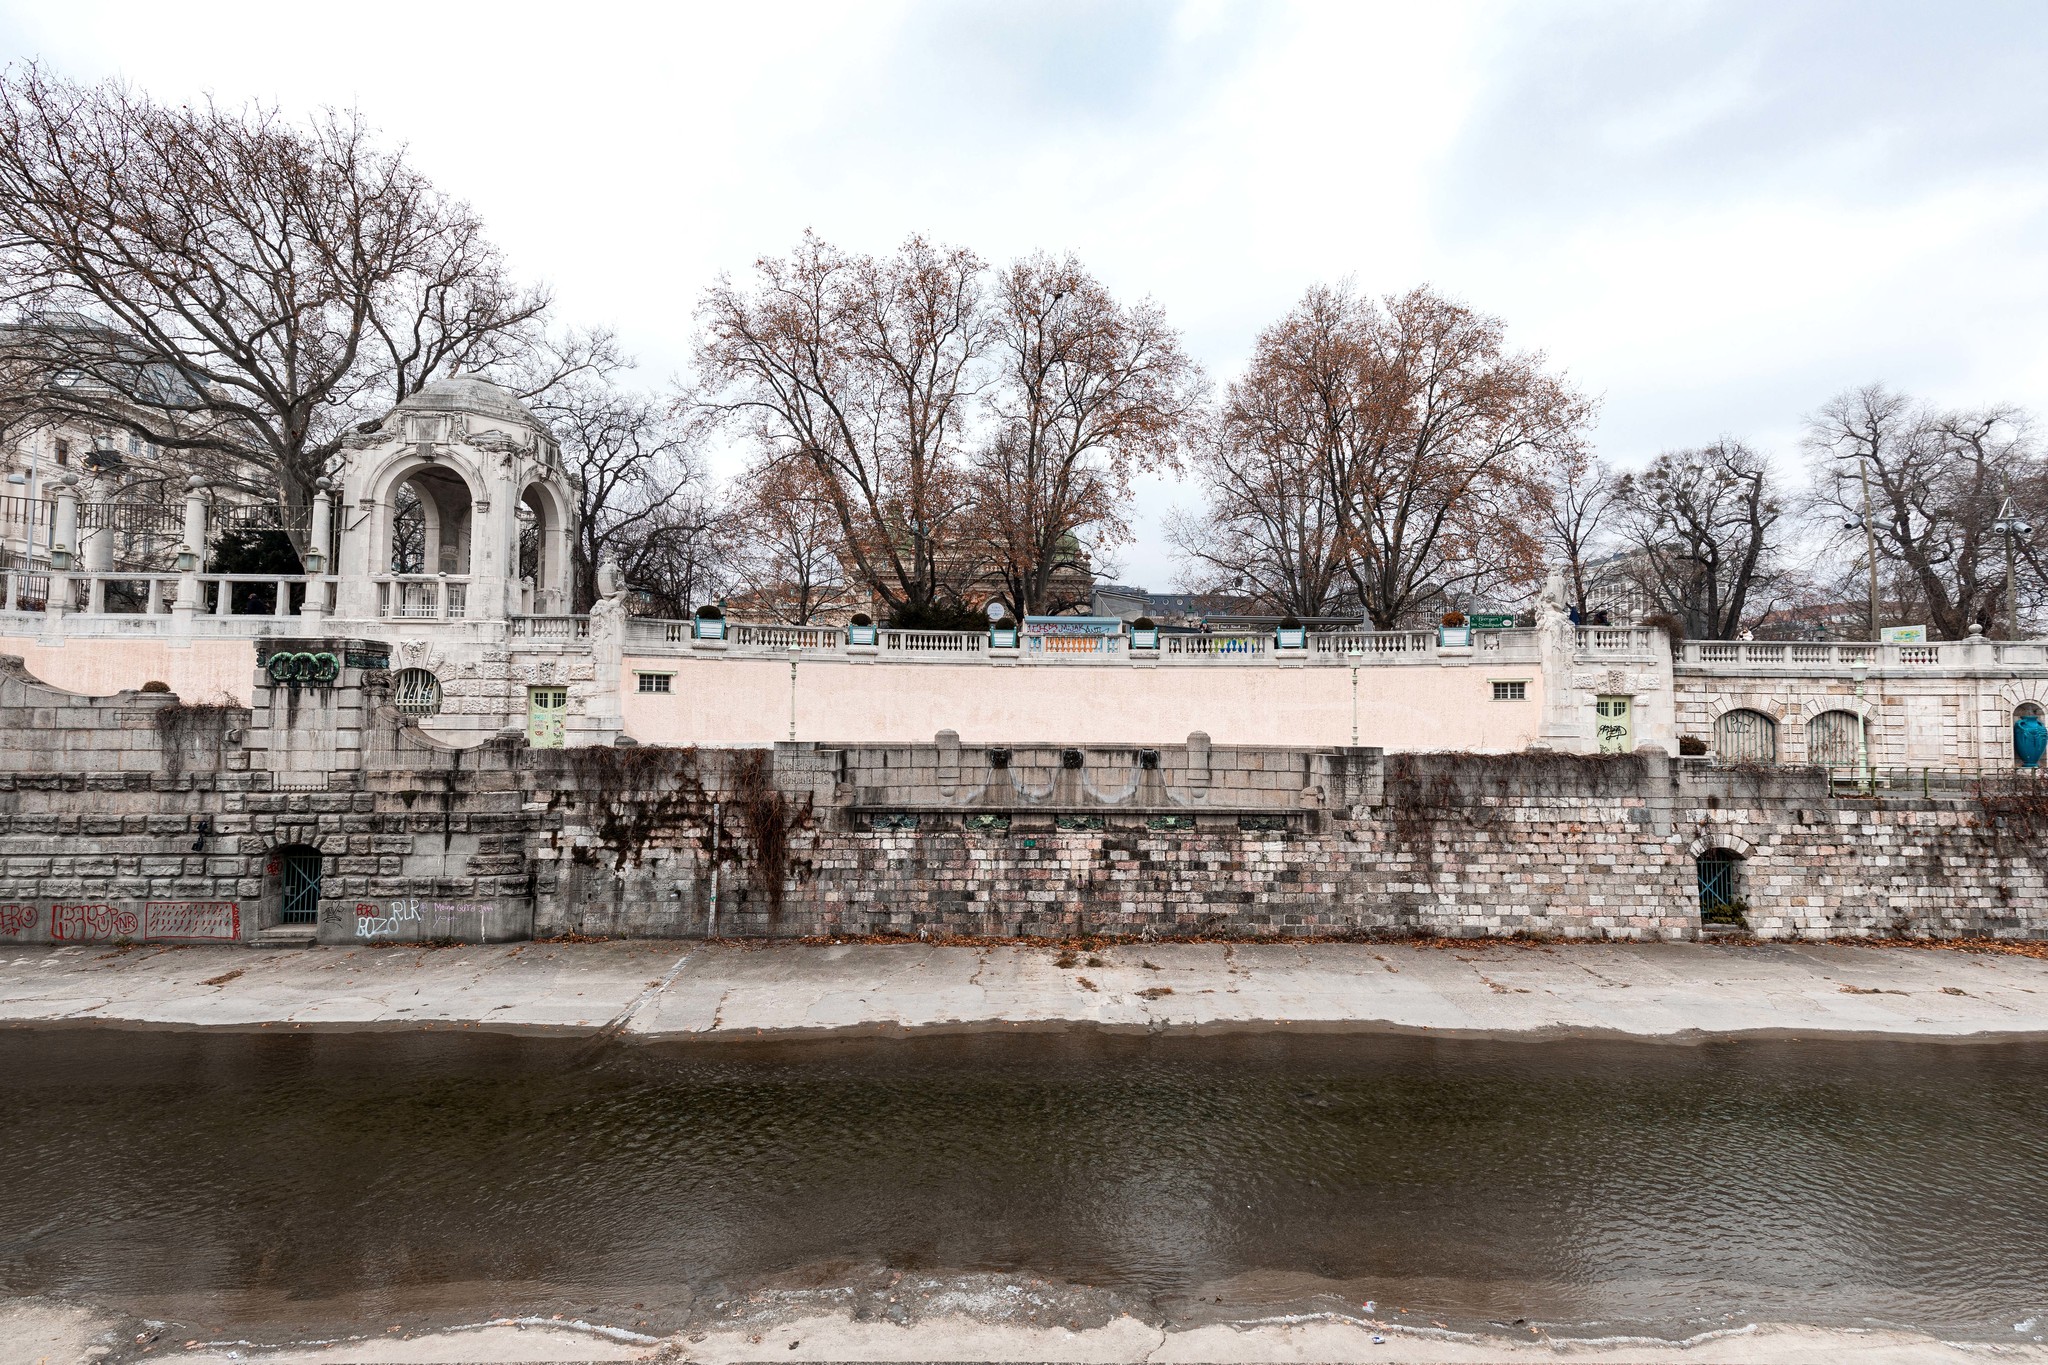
point(1869, 530)
point(2013, 528)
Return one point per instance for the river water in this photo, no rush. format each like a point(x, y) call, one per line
point(283, 1185)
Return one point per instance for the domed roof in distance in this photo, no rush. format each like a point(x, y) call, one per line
point(470, 393)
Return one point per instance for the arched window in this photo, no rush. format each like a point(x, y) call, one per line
point(1746, 737)
point(416, 692)
point(1720, 879)
point(1833, 738)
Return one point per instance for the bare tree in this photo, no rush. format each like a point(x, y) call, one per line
point(862, 370)
point(1267, 529)
point(1086, 393)
point(229, 284)
point(1704, 528)
point(1937, 481)
point(642, 498)
point(1425, 437)
point(787, 553)
point(1572, 516)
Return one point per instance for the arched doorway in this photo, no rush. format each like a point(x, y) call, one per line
point(1720, 886)
point(298, 883)
point(1746, 737)
point(426, 544)
point(1835, 739)
point(541, 552)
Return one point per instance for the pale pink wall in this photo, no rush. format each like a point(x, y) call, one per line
point(206, 670)
point(746, 701)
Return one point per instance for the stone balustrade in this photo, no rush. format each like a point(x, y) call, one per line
point(646, 637)
point(1840, 658)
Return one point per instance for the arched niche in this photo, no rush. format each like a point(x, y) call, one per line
point(427, 518)
point(540, 550)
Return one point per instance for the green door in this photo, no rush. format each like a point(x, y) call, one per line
point(546, 707)
point(1615, 724)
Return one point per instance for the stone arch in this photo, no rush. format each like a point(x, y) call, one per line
point(1722, 837)
point(1833, 735)
point(540, 553)
point(453, 500)
point(1721, 703)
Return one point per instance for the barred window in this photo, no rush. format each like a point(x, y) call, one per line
point(416, 692)
point(1746, 737)
point(1511, 691)
point(654, 682)
point(1831, 739)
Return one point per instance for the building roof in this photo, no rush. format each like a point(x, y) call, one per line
point(470, 393)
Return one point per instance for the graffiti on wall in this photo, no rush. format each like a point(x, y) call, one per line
point(421, 919)
point(385, 921)
point(92, 923)
point(192, 919)
point(16, 920)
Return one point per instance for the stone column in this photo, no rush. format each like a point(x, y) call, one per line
point(191, 555)
point(63, 545)
point(321, 555)
point(1567, 722)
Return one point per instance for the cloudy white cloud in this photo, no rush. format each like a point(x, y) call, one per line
point(1713, 215)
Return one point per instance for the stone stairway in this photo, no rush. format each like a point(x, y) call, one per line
point(283, 936)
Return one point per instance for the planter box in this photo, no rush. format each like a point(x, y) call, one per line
point(1145, 639)
point(704, 629)
point(860, 635)
point(1454, 637)
point(1002, 639)
point(1291, 637)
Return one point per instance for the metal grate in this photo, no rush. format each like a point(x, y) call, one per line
point(300, 871)
point(1831, 739)
point(1719, 903)
point(416, 692)
point(1746, 737)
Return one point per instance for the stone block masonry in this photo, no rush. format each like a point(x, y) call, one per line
point(141, 818)
point(1352, 843)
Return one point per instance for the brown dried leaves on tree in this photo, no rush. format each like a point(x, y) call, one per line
point(1380, 455)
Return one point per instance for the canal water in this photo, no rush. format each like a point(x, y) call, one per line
point(282, 1185)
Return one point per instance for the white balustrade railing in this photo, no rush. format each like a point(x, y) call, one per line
point(1072, 646)
point(423, 597)
point(118, 594)
point(559, 628)
point(934, 642)
point(1829, 657)
point(784, 638)
point(1375, 642)
point(1217, 646)
point(1617, 639)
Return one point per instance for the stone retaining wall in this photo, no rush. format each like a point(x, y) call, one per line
point(137, 818)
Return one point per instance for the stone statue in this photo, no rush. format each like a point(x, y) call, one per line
point(608, 612)
point(1553, 588)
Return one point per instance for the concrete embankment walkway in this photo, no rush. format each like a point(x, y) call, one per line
point(731, 990)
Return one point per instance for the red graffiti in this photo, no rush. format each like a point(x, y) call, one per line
point(16, 920)
point(192, 919)
point(91, 923)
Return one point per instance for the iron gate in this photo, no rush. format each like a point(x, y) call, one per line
point(300, 872)
point(1719, 903)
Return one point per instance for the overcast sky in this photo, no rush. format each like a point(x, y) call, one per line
point(1711, 215)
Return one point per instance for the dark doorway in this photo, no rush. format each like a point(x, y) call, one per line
point(1720, 898)
point(299, 881)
